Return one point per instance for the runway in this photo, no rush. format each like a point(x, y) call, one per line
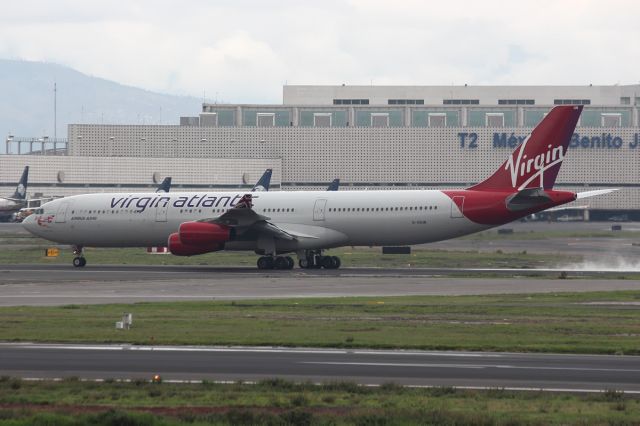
point(51, 285)
point(417, 368)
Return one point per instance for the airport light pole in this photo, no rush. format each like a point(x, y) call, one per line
point(8, 142)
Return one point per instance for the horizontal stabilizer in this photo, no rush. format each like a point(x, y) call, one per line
point(527, 198)
point(595, 192)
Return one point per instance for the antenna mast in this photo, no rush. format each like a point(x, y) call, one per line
point(55, 111)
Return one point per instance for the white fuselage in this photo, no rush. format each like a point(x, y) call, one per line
point(329, 219)
point(9, 206)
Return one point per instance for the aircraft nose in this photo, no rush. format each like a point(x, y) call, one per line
point(29, 223)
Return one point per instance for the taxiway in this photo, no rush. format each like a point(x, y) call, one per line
point(96, 284)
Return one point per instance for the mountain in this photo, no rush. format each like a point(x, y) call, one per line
point(26, 101)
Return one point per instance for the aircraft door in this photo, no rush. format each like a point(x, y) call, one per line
point(61, 214)
point(318, 209)
point(457, 207)
point(161, 212)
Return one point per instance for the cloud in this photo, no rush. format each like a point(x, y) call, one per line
point(244, 50)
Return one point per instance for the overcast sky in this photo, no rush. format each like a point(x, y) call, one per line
point(245, 50)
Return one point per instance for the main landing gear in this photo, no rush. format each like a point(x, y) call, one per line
point(280, 262)
point(314, 259)
point(78, 261)
point(309, 259)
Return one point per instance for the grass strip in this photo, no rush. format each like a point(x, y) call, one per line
point(270, 402)
point(351, 257)
point(599, 323)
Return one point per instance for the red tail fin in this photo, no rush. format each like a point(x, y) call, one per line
point(536, 162)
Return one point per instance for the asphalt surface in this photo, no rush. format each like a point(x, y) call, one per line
point(463, 369)
point(62, 285)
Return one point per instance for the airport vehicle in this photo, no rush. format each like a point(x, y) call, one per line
point(165, 185)
point(274, 224)
point(334, 185)
point(264, 182)
point(10, 205)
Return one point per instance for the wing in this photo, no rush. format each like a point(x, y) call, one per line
point(241, 215)
point(596, 192)
point(245, 219)
point(527, 198)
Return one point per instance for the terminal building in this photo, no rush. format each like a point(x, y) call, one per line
point(403, 137)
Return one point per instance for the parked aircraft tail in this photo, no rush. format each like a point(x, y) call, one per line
point(264, 182)
point(334, 185)
point(21, 189)
point(165, 186)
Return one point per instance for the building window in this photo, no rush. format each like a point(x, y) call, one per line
point(611, 120)
point(516, 102)
point(322, 119)
point(494, 119)
point(625, 100)
point(265, 119)
point(405, 101)
point(461, 101)
point(437, 119)
point(351, 101)
point(572, 101)
point(379, 119)
point(189, 121)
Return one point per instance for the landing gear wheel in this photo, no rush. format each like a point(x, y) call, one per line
point(265, 262)
point(336, 262)
point(79, 262)
point(290, 262)
point(303, 263)
point(326, 262)
point(281, 263)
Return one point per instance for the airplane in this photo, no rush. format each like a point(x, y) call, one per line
point(264, 182)
point(275, 224)
point(334, 185)
point(10, 205)
point(165, 185)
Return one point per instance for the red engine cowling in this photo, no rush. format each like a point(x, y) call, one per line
point(199, 233)
point(179, 248)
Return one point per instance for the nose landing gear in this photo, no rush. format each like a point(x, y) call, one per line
point(78, 261)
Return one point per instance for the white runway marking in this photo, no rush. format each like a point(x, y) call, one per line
point(477, 366)
point(396, 364)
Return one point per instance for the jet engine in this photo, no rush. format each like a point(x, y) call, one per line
point(198, 233)
point(195, 238)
